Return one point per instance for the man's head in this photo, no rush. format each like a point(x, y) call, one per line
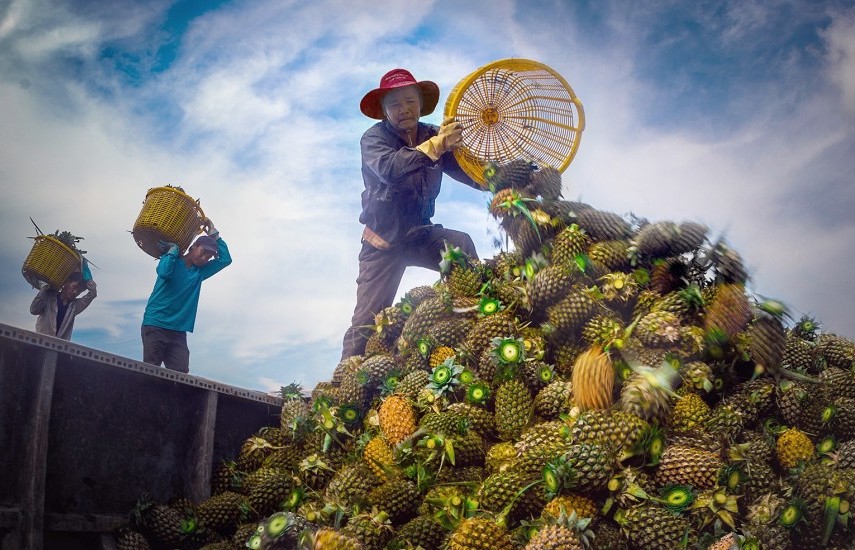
point(201, 251)
point(397, 83)
point(73, 286)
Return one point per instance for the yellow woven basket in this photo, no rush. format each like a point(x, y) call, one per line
point(515, 108)
point(168, 214)
point(50, 260)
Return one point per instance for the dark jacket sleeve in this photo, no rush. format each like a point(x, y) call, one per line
point(386, 160)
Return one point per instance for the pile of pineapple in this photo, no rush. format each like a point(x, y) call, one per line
point(609, 383)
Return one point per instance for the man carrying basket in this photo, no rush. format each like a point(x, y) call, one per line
point(57, 310)
point(403, 161)
point(171, 309)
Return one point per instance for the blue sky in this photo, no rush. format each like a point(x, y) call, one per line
point(740, 115)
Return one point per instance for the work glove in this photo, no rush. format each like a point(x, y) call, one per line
point(449, 138)
point(167, 248)
point(210, 229)
point(87, 275)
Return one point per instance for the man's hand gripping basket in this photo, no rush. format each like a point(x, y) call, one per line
point(513, 109)
point(170, 215)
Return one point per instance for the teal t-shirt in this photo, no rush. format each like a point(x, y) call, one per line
point(175, 298)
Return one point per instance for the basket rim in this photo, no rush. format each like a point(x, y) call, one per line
point(178, 192)
point(516, 64)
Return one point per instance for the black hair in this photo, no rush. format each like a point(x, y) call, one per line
point(75, 277)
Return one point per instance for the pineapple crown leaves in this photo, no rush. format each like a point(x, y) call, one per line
point(507, 350)
point(676, 498)
point(533, 264)
point(772, 307)
point(425, 345)
point(453, 256)
point(488, 306)
point(478, 393)
point(445, 377)
point(625, 490)
point(292, 391)
point(722, 505)
point(390, 382)
point(806, 328)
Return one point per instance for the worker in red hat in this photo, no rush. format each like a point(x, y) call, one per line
point(403, 161)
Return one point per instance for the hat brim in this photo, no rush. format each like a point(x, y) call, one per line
point(372, 103)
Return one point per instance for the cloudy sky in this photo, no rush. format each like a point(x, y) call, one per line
point(740, 115)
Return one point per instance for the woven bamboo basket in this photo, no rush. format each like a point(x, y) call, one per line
point(50, 260)
point(512, 109)
point(168, 214)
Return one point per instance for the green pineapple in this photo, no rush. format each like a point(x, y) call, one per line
point(620, 430)
point(514, 407)
point(835, 351)
point(554, 399)
point(568, 245)
point(658, 329)
point(614, 254)
point(351, 484)
point(689, 413)
point(546, 182)
point(421, 531)
point(682, 465)
point(160, 523)
point(131, 539)
point(221, 513)
point(729, 312)
point(461, 274)
point(603, 226)
point(511, 492)
point(568, 316)
point(653, 527)
point(548, 286)
point(514, 174)
point(728, 265)
point(657, 240)
point(479, 533)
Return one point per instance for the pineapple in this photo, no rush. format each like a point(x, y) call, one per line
point(792, 447)
point(398, 498)
point(681, 465)
point(326, 538)
point(421, 531)
point(397, 418)
point(603, 226)
point(657, 240)
point(689, 412)
point(571, 503)
point(729, 312)
point(593, 380)
point(546, 182)
point(568, 316)
point(478, 533)
point(652, 527)
point(514, 408)
point(568, 245)
point(553, 399)
point(378, 455)
point(130, 539)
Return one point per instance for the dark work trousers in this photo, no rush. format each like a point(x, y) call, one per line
point(380, 273)
point(161, 345)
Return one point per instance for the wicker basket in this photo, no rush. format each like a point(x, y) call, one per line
point(515, 108)
point(50, 260)
point(168, 214)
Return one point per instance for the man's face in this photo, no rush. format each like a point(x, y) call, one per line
point(198, 256)
point(403, 107)
point(71, 290)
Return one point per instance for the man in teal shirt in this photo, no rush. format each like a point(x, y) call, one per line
point(171, 309)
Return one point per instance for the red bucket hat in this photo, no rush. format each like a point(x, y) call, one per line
point(371, 105)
